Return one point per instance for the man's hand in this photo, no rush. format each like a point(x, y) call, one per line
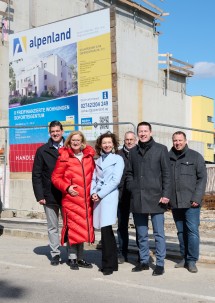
point(42, 202)
point(164, 200)
point(194, 204)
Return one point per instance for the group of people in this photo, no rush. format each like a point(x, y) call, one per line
point(92, 188)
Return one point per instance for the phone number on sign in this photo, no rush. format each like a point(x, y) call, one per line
point(94, 104)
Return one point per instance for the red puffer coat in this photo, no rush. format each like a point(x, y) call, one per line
point(77, 211)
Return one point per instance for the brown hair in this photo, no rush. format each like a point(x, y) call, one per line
point(55, 123)
point(106, 135)
point(144, 124)
point(180, 133)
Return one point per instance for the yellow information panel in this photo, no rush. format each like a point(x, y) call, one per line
point(94, 64)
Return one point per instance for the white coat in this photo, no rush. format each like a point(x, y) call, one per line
point(106, 178)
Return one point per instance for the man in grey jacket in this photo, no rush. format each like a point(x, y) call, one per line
point(149, 181)
point(189, 182)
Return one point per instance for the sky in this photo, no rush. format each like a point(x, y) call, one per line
point(188, 33)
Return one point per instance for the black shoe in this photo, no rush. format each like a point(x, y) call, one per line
point(73, 264)
point(99, 245)
point(85, 264)
point(107, 272)
point(121, 259)
point(181, 264)
point(140, 267)
point(191, 267)
point(55, 260)
point(158, 271)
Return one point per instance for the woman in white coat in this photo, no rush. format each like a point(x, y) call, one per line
point(104, 192)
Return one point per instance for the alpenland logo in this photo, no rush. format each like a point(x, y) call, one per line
point(19, 44)
point(54, 37)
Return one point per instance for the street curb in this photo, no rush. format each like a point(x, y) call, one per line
point(205, 257)
point(23, 233)
point(37, 229)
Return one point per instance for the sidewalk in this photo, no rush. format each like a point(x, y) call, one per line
point(37, 229)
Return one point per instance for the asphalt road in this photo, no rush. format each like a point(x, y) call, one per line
point(26, 276)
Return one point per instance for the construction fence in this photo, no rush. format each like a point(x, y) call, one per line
point(16, 160)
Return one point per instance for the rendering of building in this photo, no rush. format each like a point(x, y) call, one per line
point(50, 74)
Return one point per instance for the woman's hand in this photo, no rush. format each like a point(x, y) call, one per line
point(95, 198)
point(71, 190)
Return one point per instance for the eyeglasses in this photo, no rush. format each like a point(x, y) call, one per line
point(74, 140)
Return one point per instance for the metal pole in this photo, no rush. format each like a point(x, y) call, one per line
point(70, 125)
point(182, 127)
point(5, 168)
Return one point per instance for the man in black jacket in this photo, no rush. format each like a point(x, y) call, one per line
point(189, 182)
point(44, 191)
point(149, 181)
point(124, 200)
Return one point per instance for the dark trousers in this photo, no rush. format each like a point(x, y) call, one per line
point(122, 231)
point(109, 249)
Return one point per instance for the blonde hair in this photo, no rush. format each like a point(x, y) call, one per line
point(76, 132)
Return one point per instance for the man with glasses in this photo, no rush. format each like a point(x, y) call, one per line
point(44, 191)
point(124, 200)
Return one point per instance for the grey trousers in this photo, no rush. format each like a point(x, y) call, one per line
point(75, 251)
point(52, 215)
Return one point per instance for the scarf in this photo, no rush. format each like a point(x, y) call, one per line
point(104, 155)
point(145, 146)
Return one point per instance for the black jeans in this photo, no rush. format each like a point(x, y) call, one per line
point(109, 249)
point(122, 231)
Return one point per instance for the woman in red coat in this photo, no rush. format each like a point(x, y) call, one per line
point(72, 176)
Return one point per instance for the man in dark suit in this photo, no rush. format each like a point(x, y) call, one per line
point(124, 200)
point(149, 181)
point(44, 191)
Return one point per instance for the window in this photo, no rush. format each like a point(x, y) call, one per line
point(45, 65)
point(45, 77)
point(210, 119)
point(210, 146)
point(34, 79)
point(45, 87)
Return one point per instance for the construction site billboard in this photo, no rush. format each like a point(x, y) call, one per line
point(60, 71)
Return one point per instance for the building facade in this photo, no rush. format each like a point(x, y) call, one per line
point(141, 90)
